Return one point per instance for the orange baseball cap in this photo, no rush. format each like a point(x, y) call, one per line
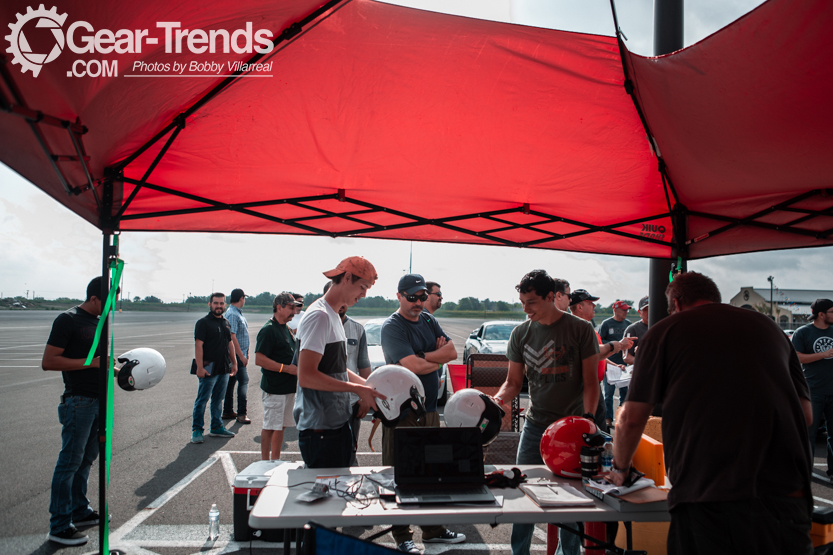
point(356, 265)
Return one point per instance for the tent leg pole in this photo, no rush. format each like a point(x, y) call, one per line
point(104, 367)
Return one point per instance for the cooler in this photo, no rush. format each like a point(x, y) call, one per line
point(247, 486)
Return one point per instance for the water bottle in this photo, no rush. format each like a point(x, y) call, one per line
point(607, 457)
point(213, 523)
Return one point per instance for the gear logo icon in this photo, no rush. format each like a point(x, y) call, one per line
point(19, 46)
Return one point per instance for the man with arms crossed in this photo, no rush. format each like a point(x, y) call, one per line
point(274, 350)
point(414, 339)
point(358, 362)
point(733, 424)
point(322, 402)
point(66, 351)
point(559, 353)
point(814, 345)
point(240, 340)
point(215, 358)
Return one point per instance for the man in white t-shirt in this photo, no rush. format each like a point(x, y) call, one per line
point(322, 402)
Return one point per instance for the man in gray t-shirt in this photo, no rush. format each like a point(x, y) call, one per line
point(637, 330)
point(613, 329)
point(814, 345)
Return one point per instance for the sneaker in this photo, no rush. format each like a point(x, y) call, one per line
point(229, 415)
point(446, 537)
point(90, 520)
point(408, 547)
point(196, 436)
point(221, 432)
point(70, 536)
point(243, 419)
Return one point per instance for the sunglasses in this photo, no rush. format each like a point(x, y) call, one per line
point(439, 294)
point(414, 298)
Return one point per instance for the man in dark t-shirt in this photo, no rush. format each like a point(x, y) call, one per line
point(814, 345)
point(412, 337)
point(733, 425)
point(215, 360)
point(66, 351)
point(274, 350)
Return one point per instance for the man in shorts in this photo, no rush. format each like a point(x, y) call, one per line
point(274, 350)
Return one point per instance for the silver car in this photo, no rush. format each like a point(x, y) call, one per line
point(490, 338)
point(373, 330)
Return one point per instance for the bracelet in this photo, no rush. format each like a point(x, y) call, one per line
point(281, 370)
point(499, 400)
point(617, 470)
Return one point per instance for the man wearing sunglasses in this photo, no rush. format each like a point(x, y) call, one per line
point(435, 297)
point(414, 339)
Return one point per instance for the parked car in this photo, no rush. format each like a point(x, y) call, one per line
point(373, 330)
point(489, 339)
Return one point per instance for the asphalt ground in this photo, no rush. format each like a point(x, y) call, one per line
point(161, 485)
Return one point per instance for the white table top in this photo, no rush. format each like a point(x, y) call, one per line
point(277, 505)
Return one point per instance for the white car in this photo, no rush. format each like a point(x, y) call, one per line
point(373, 330)
point(490, 338)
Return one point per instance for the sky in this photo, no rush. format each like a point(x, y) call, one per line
point(49, 252)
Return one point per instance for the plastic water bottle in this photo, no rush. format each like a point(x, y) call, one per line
point(213, 523)
point(607, 457)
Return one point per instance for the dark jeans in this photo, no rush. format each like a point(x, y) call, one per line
point(79, 448)
point(769, 525)
point(242, 381)
point(822, 406)
point(326, 448)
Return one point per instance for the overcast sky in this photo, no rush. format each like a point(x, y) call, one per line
point(50, 252)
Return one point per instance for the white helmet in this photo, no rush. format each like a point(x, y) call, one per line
point(142, 368)
point(402, 390)
point(469, 408)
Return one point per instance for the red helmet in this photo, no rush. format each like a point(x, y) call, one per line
point(562, 442)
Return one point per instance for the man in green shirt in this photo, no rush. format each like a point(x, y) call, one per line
point(559, 354)
point(273, 353)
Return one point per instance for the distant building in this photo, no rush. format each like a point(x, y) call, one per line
point(792, 306)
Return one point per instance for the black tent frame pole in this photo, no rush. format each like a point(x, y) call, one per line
point(668, 37)
point(107, 251)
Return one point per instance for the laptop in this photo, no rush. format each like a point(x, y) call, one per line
point(439, 465)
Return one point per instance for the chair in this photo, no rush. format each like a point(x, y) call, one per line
point(487, 373)
point(320, 540)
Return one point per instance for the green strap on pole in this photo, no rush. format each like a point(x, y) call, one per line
point(118, 266)
point(678, 270)
point(108, 305)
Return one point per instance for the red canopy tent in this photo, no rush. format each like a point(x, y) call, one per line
point(382, 121)
point(518, 136)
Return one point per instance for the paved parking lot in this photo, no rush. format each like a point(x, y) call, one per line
point(161, 485)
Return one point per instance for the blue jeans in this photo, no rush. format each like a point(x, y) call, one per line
point(529, 452)
point(215, 388)
point(326, 448)
point(610, 390)
point(242, 381)
point(79, 448)
point(822, 406)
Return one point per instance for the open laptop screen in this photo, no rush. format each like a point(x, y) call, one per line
point(438, 456)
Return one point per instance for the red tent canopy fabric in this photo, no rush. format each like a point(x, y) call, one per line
point(388, 122)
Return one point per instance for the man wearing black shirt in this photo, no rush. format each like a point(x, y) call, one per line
point(215, 360)
point(66, 351)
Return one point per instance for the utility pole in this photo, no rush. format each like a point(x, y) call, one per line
point(771, 280)
point(411, 260)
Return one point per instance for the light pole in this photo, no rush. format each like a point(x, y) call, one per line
point(771, 280)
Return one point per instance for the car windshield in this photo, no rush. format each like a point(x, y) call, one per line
point(498, 332)
point(374, 333)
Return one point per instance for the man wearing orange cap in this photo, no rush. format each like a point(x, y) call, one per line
point(322, 403)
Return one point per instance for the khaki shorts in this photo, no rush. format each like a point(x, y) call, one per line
point(277, 411)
